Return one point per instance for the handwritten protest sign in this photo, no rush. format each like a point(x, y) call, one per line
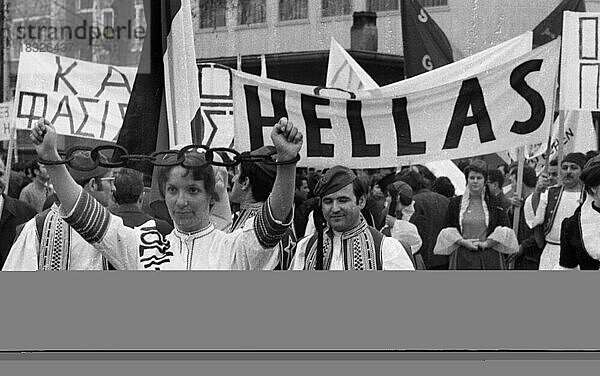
point(494, 110)
point(79, 98)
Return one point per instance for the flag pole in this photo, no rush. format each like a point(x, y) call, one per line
point(561, 137)
point(518, 193)
point(9, 154)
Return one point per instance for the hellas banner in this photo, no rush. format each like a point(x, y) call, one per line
point(491, 111)
point(78, 97)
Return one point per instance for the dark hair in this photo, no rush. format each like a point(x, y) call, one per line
point(414, 179)
point(554, 162)
point(261, 183)
point(505, 168)
point(196, 164)
point(591, 154)
point(529, 176)
point(129, 185)
point(496, 176)
point(427, 175)
point(360, 188)
point(477, 167)
point(443, 185)
point(33, 165)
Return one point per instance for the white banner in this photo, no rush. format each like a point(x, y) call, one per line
point(459, 70)
point(78, 97)
point(216, 104)
point(580, 62)
point(344, 72)
point(494, 110)
point(5, 110)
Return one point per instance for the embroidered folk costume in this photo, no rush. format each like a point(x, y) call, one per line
point(251, 186)
point(47, 242)
point(144, 248)
point(554, 206)
point(580, 234)
point(360, 247)
point(466, 220)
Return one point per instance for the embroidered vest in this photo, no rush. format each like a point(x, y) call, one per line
point(554, 196)
point(361, 249)
point(54, 235)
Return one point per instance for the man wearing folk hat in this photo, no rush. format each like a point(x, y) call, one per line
point(47, 242)
point(546, 208)
point(346, 242)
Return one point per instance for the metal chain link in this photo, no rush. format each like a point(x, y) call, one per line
point(159, 158)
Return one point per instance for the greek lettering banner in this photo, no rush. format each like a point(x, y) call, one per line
point(580, 65)
point(78, 97)
point(507, 106)
point(5, 110)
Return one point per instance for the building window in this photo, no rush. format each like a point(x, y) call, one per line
point(433, 3)
point(212, 13)
point(108, 18)
point(86, 5)
point(293, 10)
point(335, 7)
point(251, 11)
point(382, 5)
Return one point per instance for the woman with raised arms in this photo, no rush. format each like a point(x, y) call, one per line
point(189, 192)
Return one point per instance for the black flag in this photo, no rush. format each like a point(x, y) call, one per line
point(426, 47)
point(551, 27)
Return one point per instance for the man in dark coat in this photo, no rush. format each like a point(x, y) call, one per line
point(429, 217)
point(14, 213)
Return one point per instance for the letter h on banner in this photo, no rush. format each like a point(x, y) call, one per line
point(589, 73)
point(255, 119)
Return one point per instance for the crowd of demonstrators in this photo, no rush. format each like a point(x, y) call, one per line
point(335, 219)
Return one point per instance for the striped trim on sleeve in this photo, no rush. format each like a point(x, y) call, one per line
point(268, 230)
point(89, 218)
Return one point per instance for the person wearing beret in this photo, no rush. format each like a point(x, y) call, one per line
point(580, 234)
point(476, 235)
point(546, 208)
point(252, 184)
point(190, 188)
point(343, 240)
point(47, 242)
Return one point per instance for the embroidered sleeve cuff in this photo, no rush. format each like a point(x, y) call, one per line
point(506, 239)
point(446, 241)
point(270, 231)
point(88, 218)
